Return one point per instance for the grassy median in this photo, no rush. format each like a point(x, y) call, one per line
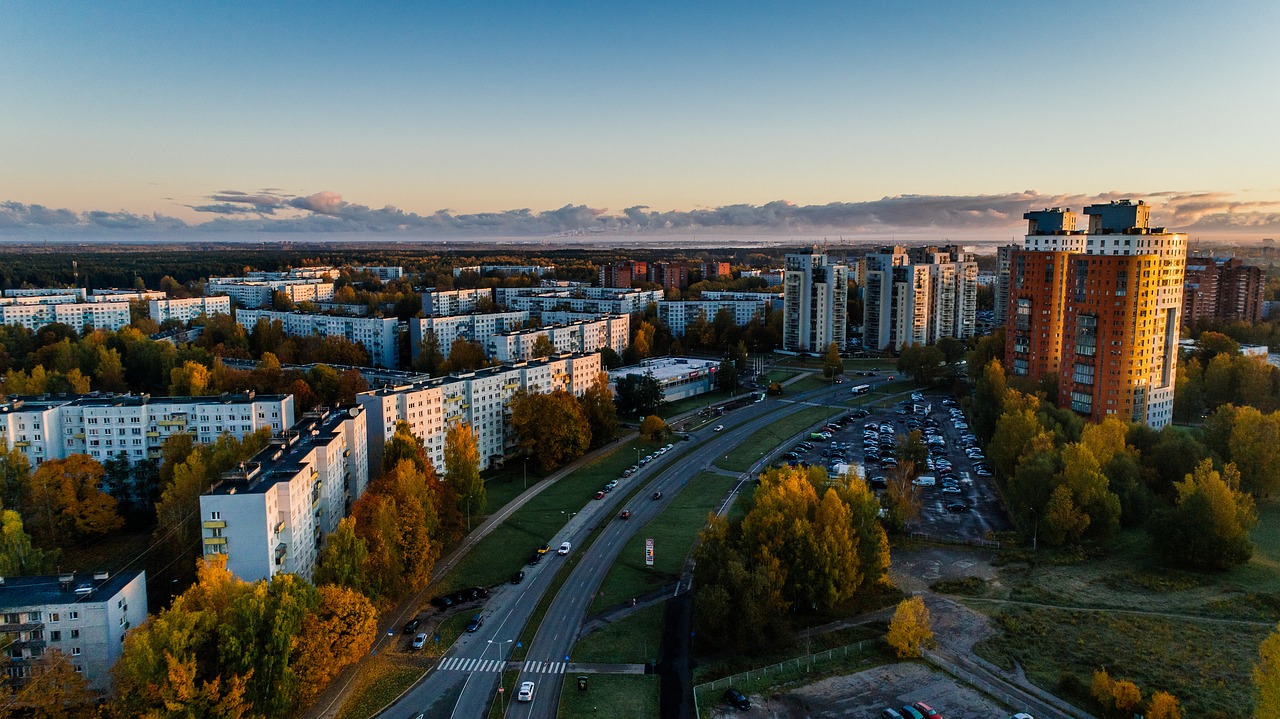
point(634, 639)
point(766, 440)
point(616, 696)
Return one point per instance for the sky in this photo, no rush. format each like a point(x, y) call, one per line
point(537, 118)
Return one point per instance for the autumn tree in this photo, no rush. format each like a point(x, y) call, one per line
point(601, 412)
point(18, 556)
point(462, 468)
point(192, 379)
point(738, 604)
point(832, 365)
point(902, 497)
point(1017, 431)
point(336, 634)
point(1064, 522)
point(988, 398)
point(341, 561)
point(653, 428)
point(67, 504)
point(1254, 445)
point(1090, 489)
point(910, 630)
point(542, 347)
point(1210, 524)
point(465, 356)
point(551, 426)
point(56, 690)
point(15, 480)
point(1126, 697)
point(1163, 705)
point(1266, 678)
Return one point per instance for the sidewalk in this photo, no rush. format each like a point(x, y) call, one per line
point(621, 611)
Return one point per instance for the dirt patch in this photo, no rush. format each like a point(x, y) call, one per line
point(916, 569)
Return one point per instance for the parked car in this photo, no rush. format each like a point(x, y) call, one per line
point(957, 506)
point(910, 712)
point(412, 625)
point(443, 602)
point(737, 699)
point(534, 559)
point(517, 577)
point(526, 692)
point(927, 711)
point(600, 495)
point(419, 641)
point(890, 714)
point(476, 622)
point(544, 549)
point(564, 548)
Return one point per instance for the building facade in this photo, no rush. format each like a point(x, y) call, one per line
point(623, 274)
point(536, 270)
point(918, 296)
point(379, 335)
point(679, 377)
point(185, 310)
point(678, 314)
point(34, 312)
point(474, 327)
point(454, 302)
point(612, 331)
point(85, 617)
point(257, 292)
point(271, 514)
point(1224, 290)
point(814, 302)
point(386, 273)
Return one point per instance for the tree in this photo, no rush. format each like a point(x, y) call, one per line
point(1090, 490)
point(901, 498)
point(67, 504)
point(609, 359)
point(1064, 522)
point(951, 348)
point(56, 690)
point(465, 356)
point(1266, 678)
point(1255, 448)
point(1102, 688)
point(1163, 705)
point(551, 426)
point(430, 359)
point(602, 413)
point(1210, 524)
point(988, 399)
point(338, 633)
point(638, 394)
point(18, 556)
point(1017, 431)
point(922, 362)
point(542, 347)
point(341, 562)
point(726, 376)
point(192, 379)
point(15, 480)
point(1126, 697)
point(832, 365)
point(910, 629)
point(462, 468)
point(653, 428)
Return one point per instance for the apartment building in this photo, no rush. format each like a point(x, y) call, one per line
point(715, 270)
point(108, 295)
point(537, 270)
point(1223, 289)
point(479, 398)
point(1000, 289)
point(185, 310)
point(623, 274)
point(475, 327)
point(771, 277)
point(596, 300)
point(36, 311)
point(1103, 306)
point(677, 314)
point(77, 293)
point(83, 616)
point(671, 275)
point(254, 292)
point(814, 302)
point(386, 273)
point(918, 296)
point(379, 335)
point(612, 331)
point(454, 302)
point(271, 514)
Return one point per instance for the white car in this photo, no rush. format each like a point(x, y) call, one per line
point(526, 692)
point(564, 548)
point(717, 428)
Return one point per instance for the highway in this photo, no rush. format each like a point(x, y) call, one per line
point(465, 681)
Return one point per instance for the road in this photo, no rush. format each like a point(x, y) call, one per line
point(465, 681)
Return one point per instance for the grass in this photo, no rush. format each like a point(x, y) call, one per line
point(503, 485)
point(808, 383)
point(503, 552)
point(615, 696)
point(673, 533)
point(501, 702)
point(381, 680)
point(766, 440)
point(780, 375)
point(634, 639)
point(1207, 666)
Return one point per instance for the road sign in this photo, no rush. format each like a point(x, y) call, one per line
point(648, 552)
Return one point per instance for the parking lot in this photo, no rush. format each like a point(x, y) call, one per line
point(955, 484)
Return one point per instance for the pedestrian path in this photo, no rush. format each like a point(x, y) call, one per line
point(463, 664)
point(545, 667)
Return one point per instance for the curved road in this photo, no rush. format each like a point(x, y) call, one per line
point(465, 681)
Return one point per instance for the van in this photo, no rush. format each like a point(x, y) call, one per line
point(925, 480)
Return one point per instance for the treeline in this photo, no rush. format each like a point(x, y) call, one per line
point(1217, 374)
point(805, 544)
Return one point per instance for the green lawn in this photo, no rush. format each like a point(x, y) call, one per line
point(689, 404)
point(503, 485)
point(781, 375)
point(503, 552)
point(673, 533)
point(813, 381)
point(635, 639)
point(381, 680)
point(610, 696)
point(765, 440)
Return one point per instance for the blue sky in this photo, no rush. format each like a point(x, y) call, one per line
point(475, 107)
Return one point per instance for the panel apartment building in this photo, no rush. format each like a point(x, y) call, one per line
point(814, 302)
point(379, 335)
point(612, 331)
point(443, 303)
point(185, 310)
point(256, 291)
point(598, 300)
point(36, 311)
point(479, 398)
point(84, 617)
point(918, 296)
point(1100, 309)
point(1223, 289)
point(474, 327)
point(271, 514)
point(679, 313)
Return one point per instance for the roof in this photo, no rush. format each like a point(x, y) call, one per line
point(16, 592)
point(284, 457)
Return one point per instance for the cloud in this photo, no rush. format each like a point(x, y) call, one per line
point(16, 214)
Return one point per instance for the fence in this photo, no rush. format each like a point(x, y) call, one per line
point(781, 670)
point(973, 542)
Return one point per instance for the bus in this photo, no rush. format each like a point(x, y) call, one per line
point(861, 389)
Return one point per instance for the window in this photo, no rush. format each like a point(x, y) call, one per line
point(73, 615)
point(34, 617)
point(1082, 374)
point(75, 651)
point(54, 617)
point(55, 636)
point(1086, 335)
point(1082, 402)
point(75, 633)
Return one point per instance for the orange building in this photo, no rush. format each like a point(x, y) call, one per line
point(1033, 329)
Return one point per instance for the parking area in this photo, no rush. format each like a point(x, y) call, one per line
point(955, 482)
point(866, 694)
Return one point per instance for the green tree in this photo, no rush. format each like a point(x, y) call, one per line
point(1017, 432)
point(18, 556)
point(638, 394)
point(430, 359)
point(341, 562)
point(1266, 678)
point(542, 347)
point(601, 412)
point(1210, 524)
point(727, 376)
point(922, 362)
point(988, 399)
point(462, 468)
point(15, 480)
point(1255, 448)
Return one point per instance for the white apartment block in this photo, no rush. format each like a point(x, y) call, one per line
point(77, 315)
point(135, 426)
point(78, 292)
point(271, 515)
point(297, 273)
point(382, 272)
point(814, 302)
point(474, 327)
point(581, 300)
point(249, 292)
point(772, 297)
point(506, 269)
point(125, 296)
point(377, 334)
point(185, 310)
point(677, 314)
point(918, 296)
point(83, 617)
point(453, 302)
point(480, 398)
point(612, 331)
point(771, 277)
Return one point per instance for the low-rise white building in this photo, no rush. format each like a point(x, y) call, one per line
point(596, 300)
point(612, 331)
point(474, 327)
point(379, 335)
point(84, 617)
point(506, 269)
point(677, 314)
point(185, 310)
point(125, 295)
point(271, 515)
point(249, 292)
point(680, 377)
point(79, 293)
point(480, 398)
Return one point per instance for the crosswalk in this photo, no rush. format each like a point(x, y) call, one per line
point(464, 664)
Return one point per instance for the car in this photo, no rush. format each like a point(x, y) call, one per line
point(600, 495)
point(534, 559)
point(526, 692)
point(442, 602)
point(461, 596)
point(737, 699)
point(476, 622)
point(412, 625)
point(544, 549)
point(951, 489)
point(627, 473)
point(926, 710)
point(717, 428)
point(626, 514)
point(1022, 715)
point(890, 714)
point(419, 642)
point(668, 447)
point(656, 496)
point(910, 712)
point(564, 549)
point(957, 506)
point(517, 577)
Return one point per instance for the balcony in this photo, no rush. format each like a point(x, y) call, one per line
point(22, 443)
point(282, 550)
point(215, 524)
point(211, 541)
point(172, 422)
point(153, 434)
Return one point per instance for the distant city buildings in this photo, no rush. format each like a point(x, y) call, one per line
point(597, 300)
point(1222, 289)
point(256, 289)
point(271, 514)
point(482, 270)
point(1100, 310)
point(624, 274)
point(716, 270)
point(379, 335)
point(454, 302)
point(386, 273)
point(771, 277)
point(814, 302)
point(185, 310)
point(918, 296)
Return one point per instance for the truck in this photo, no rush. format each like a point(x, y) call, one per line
point(861, 389)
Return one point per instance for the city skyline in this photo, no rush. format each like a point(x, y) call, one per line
point(932, 118)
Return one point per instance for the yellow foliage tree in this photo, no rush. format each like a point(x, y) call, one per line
point(1101, 688)
point(192, 379)
point(910, 629)
point(68, 504)
point(1266, 678)
point(652, 428)
point(337, 634)
point(1163, 706)
point(1126, 696)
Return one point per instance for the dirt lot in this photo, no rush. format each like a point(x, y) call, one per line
point(865, 694)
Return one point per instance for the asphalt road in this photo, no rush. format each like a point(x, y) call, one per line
point(465, 681)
